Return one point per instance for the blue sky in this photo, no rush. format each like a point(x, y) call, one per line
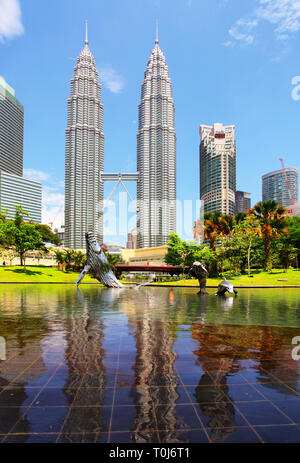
point(230, 61)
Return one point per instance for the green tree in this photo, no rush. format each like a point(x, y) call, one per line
point(229, 251)
point(286, 254)
point(292, 238)
point(272, 224)
point(23, 236)
point(239, 217)
point(113, 260)
point(216, 226)
point(59, 257)
point(174, 251)
point(47, 234)
point(244, 235)
point(204, 254)
point(79, 260)
point(179, 252)
point(286, 247)
point(3, 215)
point(184, 253)
point(68, 259)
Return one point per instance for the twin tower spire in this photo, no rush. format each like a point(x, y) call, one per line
point(86, 33)
point(156, 154)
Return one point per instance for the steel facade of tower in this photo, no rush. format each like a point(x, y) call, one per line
point(11, 131)
point(84, 154)
point(156, 155)
point(17, 190)
point(218, 168)
point(274, 186)
point(242, 202)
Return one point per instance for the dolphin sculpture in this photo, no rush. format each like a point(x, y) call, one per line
point(98, 263)
point(199, 271)
point(224, 287)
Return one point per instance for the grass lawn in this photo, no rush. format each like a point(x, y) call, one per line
point(260, 278)
point(38, 274)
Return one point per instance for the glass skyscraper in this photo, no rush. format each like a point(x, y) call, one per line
point(84, 154)
point(16, 190)
point(11, 130)
point(156, 155)
point(275, 186)
point(242, 202)
point(218, 168)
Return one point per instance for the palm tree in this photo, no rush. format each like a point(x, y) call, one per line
point(239, 217)
point(217, 225)
point(79, 259)
point(69, 259)
point(272, 224)
point(212, 228)
point(59, 257)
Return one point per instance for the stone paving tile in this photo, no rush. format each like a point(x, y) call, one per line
point(279, 434)
point(262, 413)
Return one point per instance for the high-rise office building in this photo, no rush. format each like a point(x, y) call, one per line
point(131, 239)
point(15, 190)
point(11, 130)
point(156, 155)
point(84, 154)
point(242, 202)
point(218, 168)
point(281, 186)
point(21, 191)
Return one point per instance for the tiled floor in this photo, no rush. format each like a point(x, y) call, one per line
point(191, 404)
point(88, 379)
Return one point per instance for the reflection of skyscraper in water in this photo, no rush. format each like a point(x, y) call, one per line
point(220, 413)
point(222, 349)
point(274, 354)
point(86, 380)
point(154, 366)
point(217, 360)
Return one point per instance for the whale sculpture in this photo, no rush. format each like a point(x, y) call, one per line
point(199, 271)
point(225, 286)
point(98, 263)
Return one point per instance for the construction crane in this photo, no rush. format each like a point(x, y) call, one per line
point(293, 201)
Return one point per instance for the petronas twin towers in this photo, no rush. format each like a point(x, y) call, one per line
point(156, 154)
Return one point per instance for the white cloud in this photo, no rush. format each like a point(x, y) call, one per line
point(53, 216)
point(284, 15)
point(241, 31)
point(10, 19)
point(50, 199)
point(53, 208)
point(53, 199)
point(111, 79)
point(37, 175)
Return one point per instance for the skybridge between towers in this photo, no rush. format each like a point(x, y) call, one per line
point(119, 178)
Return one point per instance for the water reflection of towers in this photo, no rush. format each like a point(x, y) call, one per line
point(154, 366)
point(86, 380)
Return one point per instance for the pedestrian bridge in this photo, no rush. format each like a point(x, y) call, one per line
point(119, 178)
point(171, 269)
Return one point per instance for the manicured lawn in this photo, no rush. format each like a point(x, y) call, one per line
point(35, 274)
point(259, 279)
point(40, 274)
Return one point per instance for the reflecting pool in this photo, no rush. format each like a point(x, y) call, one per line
point(148, 365)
